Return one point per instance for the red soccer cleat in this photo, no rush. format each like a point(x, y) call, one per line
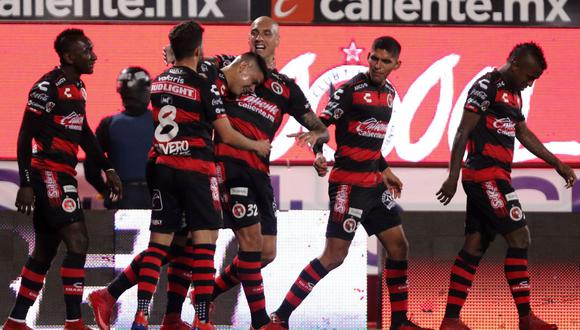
point(198, 325)
point(532, 322)
point(174, 322)
point(141, 322)
point(11, 324)
point(453, 324)
point(102, 304)
point(75, 325)
point(271, 326)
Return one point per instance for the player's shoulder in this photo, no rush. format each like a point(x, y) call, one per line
point(53, 78)
point(223, 59)
point(489, 81)
point(356, 83)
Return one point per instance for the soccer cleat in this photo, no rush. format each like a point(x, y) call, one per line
point(277, 323)
point(102, 304)
point(271, 326)
point(11, 324)
point(75, 325)
point(174, 322)
point(453, 324)
point(141, 322)
point(407, 325)
point(532, 322)
point(198, 325)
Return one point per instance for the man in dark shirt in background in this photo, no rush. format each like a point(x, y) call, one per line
point(126, 137)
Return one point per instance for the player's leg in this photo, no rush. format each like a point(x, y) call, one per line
point(514, 229)
point(249, 265)
point(178, 281)
point(32, 278)
point(335, 251)
point(202, 206)
point(72, 272)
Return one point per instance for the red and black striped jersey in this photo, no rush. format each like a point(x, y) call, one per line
point(258, 116)
point(185, 105)
point(361, 111)
point(58, 106)
point(490, 147)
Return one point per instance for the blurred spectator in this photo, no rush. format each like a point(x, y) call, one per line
point(126, 137)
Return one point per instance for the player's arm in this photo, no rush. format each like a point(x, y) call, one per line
point(92, 149)
point(41, 101)
point(529, 140)
point(480, 96)
point(91, 166)
point(28, 129)
point(236, 139)
point(302, 111)
point(216, 113)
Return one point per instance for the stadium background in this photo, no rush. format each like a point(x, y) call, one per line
point(323, 43)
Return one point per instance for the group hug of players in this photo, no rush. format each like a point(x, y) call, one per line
point(214, 121)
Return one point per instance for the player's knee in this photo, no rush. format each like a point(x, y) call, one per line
point(78, 244)
point(44, 256)
point(268, 257)
point(333, 260)
point(398, 250)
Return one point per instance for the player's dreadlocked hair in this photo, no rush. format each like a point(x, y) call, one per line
point(530, 48)
point(65, 39)
point(389, 44)
point(185, 38)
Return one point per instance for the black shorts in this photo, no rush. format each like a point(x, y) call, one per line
point(56, 202)
point(247, 197)
point(492, 207)
point(375, 208)
point(183, 199)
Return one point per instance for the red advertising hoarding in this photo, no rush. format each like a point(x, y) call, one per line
point(438, 66)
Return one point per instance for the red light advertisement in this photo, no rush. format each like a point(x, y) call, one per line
point(438, 66)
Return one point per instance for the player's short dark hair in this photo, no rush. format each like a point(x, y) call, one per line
point(529, 48)
point(389, 44)
point(259, 60)
point(185, 38)
point(65, 39)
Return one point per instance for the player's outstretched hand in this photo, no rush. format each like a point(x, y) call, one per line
point(567, 173)
point(115, 185)
point(262, 148)
point(24, 200)
point(447, 190)
point(392, 182)
point(305, 139)
point(168, 55)
point(320, 165)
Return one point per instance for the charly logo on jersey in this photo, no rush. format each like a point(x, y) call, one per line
point(371, 128)
point(73, 121)
point(505, 126)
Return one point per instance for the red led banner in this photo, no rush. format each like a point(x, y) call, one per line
point(438, 66)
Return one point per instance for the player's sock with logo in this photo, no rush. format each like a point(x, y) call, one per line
point(226, 280)
point(72, 273)
point(32, 280)
point(250, 274)
point(203, 274)
point(127, 279)
point(462, 276)
point(396, 280)
point(305, 282)
point(149, 275)
point(178, 278)
point(518, 278)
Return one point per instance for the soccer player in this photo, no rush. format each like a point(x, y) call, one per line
point(126, 138)
point(185, 109)
point(55, 122)
point(252, 215)
point(491, 121)
point(362, 187)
